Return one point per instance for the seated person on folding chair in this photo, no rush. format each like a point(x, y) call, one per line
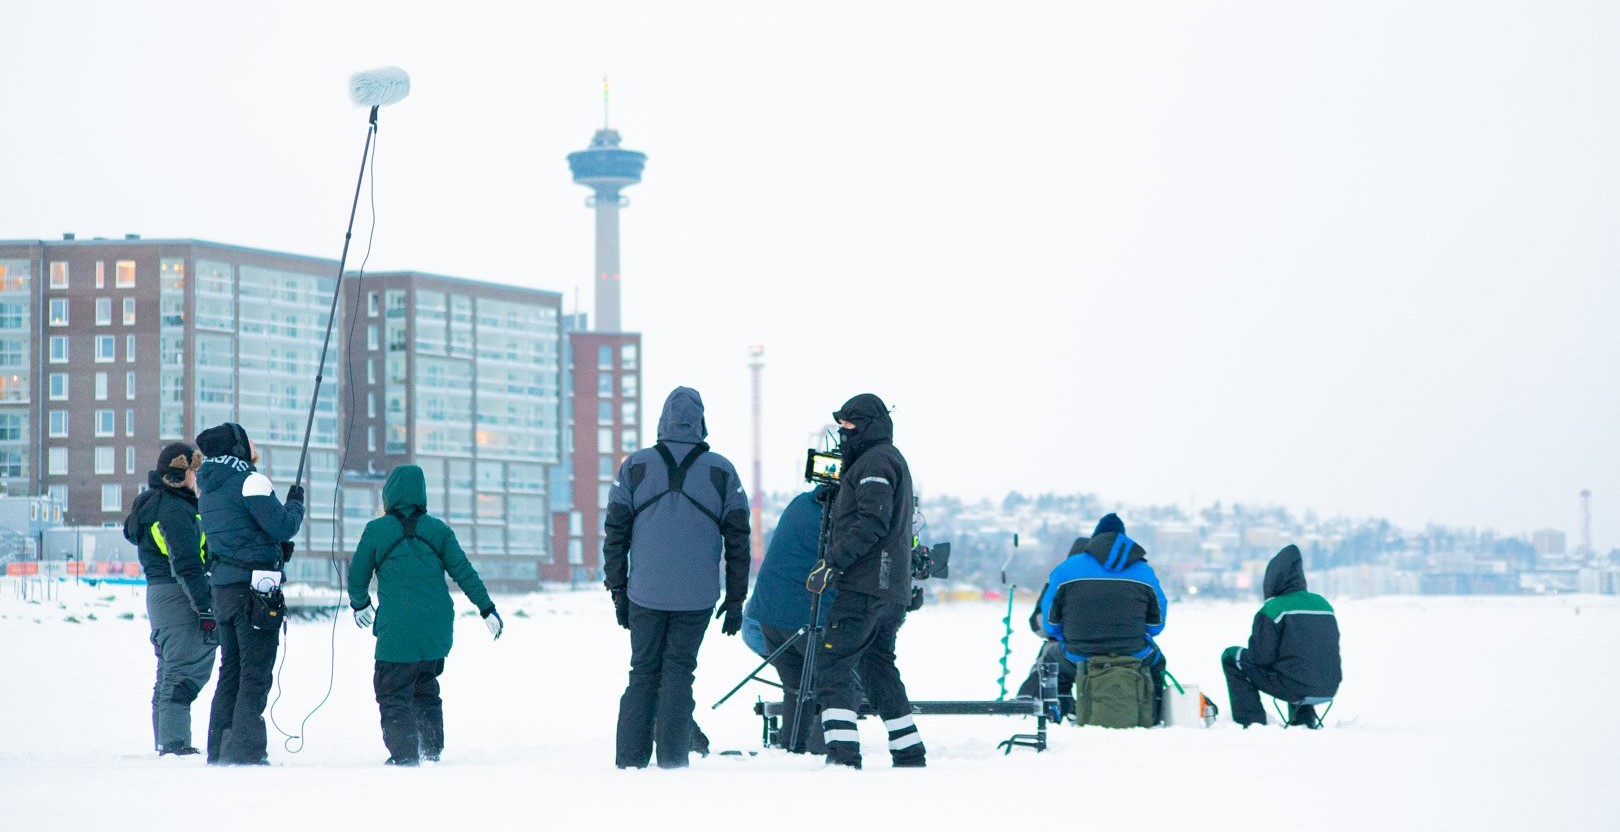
point(1105, 604)
point(1293, 651)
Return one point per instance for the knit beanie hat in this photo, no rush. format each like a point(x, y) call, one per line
point(222, 440)
point(1109, 523)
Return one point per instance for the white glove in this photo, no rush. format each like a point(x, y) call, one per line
point(492, 620)
point(364, 616)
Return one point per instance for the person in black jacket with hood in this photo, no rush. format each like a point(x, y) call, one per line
point(869, 560)
point(249, 531)
point(1293, 651)
point(173, 553)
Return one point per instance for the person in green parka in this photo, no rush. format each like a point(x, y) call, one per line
point(410, 551)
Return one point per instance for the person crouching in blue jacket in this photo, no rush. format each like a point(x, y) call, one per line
point(1105, 600)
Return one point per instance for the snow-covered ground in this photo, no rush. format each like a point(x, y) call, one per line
point(1456, 713)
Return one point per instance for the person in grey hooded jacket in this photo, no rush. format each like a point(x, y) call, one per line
point(675, 512)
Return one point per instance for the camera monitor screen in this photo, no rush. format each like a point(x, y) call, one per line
point(821, 466)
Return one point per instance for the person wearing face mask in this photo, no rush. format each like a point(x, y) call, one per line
point(249, 530)
point(869, 561)
point(172, 550)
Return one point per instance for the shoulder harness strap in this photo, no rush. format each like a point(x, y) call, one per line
point(407, 523)
point(677, 479)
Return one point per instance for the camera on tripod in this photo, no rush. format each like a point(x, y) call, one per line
point(931, 561)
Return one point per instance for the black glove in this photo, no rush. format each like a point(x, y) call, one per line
point(732, 612)
point(295, 493)
point(621, 607)
point(916, 599)
point(209, 627)
point(821, 577)
point(286, 550)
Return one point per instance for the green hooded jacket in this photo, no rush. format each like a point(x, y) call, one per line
point(415, 617)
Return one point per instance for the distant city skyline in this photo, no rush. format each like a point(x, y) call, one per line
point(1346, 258)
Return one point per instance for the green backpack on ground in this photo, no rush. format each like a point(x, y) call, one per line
point(1114, 692)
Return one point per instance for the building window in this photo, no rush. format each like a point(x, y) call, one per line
point(129, 349)
point(101, 387)
point(627, 385)
point(129, 385)
point(371, 371)
point(604, 441)
point(371, 406)
point(129, 459)
point(129, 422)
point(57, 461)
point(129, 311)
point(105, 349)
point(627, 442)
point(103, 311)
point(104, 422)
point(58, 314)
point(627, 356)
point(628, 411)
point(59, 275)
point(602, 493)
point(371, 305)
point(373, 340)
point(604, 357)
point(101, 274)
point(604, 467)
point(59, 387)
point(58, 424)
point(104, 459)
point(124, 272)
point(59, 349)
point(604, 384)
point(604, 412)
point(112, 497)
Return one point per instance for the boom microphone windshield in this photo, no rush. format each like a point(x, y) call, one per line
point(379, 87)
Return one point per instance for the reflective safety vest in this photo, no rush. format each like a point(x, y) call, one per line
point(163, 544)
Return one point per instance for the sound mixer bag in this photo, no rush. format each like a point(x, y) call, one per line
point(266, 610)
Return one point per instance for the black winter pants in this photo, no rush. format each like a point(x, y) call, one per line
point(789, 666)
point(663, 662)
point(412, 712)
point(860, 638)
point(247, 661)
point(1245, 681)
point(1052, 651)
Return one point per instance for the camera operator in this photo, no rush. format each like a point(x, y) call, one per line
point(781, 605)
point(869, 560)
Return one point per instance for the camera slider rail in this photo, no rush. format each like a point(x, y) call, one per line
point(1043, 709)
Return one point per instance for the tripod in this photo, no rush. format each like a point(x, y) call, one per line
point(811, 634)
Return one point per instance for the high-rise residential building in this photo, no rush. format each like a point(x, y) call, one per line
point(462, 378)
point(605, 422)
point(111, 348)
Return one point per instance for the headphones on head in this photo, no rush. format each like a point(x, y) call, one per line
point(242, 449)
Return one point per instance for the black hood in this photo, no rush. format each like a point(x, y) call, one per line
point(1285, 573)
point(1115, 551)
point(144, 512)
point(1079, 545)
point(872, 425)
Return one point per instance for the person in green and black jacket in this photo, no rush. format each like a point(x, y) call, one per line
point(173, 553)
point(1293, 650)
point(410, 551)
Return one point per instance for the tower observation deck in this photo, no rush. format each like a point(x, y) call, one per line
point(607, 169)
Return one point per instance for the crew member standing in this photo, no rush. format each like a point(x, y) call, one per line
point(869, 561)
point(674, 509)
point(248, 530)
point(169, 542)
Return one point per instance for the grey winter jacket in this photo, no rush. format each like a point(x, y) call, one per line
point(665, 539)
point(242, 518)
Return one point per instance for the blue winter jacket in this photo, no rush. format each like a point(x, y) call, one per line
point(664, 540)
point(242, 518)
point(1105, 600)
point(779, 599)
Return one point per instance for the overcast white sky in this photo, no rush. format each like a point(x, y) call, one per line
point(1354, 257)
